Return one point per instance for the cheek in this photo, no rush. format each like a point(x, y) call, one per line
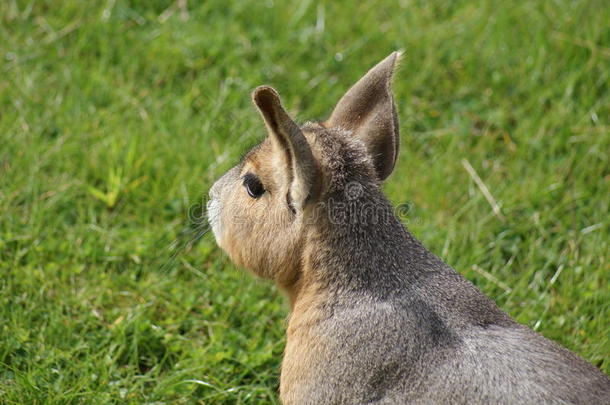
point(245, 233)
point(233, 222)
point(254, 234)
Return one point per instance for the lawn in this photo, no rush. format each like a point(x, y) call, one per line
point(116, 117)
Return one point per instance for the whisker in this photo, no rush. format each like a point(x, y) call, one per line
point(185, 240)
point(198, 237)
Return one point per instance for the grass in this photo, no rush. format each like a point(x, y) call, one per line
point(116, 117)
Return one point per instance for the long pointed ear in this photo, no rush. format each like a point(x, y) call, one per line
point(291, 145)
point(368, 111)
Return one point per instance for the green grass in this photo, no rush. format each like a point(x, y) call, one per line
point(116, 117)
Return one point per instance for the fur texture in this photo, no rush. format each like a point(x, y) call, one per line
point(376, 318)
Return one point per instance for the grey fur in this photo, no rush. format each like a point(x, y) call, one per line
point(385, 321)
point(406, 328)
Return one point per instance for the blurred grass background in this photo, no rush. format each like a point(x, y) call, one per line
point(116, 116)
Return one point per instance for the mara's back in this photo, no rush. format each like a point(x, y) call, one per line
point(438, 341)
point(375, 317)
point(397, 325)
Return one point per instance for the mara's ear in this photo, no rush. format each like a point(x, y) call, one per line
point(367, 110)
point(291, 146)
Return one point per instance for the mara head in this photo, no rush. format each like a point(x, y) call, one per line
point(266, 210)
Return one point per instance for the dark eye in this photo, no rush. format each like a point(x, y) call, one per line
point(253, 185)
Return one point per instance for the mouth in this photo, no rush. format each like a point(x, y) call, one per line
point(214, 209)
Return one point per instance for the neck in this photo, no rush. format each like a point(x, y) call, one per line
point(363, 247)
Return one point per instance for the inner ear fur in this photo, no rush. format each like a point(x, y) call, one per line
point(368, 111)
point(290, 143)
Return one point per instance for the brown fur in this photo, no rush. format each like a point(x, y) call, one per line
point(375, 317)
